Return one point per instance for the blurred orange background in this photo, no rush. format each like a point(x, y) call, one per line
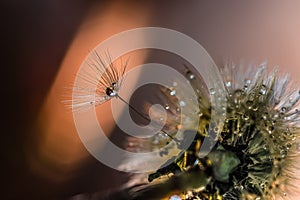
point(45, 43)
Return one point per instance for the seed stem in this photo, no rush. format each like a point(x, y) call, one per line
point(139, 113)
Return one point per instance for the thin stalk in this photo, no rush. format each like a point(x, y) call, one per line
point(139, 113)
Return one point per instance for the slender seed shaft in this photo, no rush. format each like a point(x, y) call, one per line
point(133, 108)
point(139, 113)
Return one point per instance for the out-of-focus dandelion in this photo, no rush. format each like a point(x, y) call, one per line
point(256, 154)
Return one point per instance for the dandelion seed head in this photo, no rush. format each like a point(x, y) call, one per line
point(257, 150)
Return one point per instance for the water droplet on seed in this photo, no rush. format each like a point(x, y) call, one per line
point(283, 110)
point(284, 194)
point(192, 76)
point(173, 92)
point(212, 91)
point(175, 197)
point(248, 81)
point(182, 103)
point(249, 104)
point(264, 117)
point(228, 84)
point(265, 147)
point(288, 145)
point(263, 90)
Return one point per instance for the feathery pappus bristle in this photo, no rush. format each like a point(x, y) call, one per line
point(99, 82)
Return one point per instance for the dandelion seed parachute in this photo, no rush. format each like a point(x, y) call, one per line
point(256, 153)
point(99, 81)
point(101, 74)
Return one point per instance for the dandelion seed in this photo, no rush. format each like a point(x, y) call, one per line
point(98, 83)
point(106, 77)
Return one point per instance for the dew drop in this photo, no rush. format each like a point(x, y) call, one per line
point(288, 145)
point(249, 104)
point(255, 108)
point(173, 92)
point(182, 103)
point(263, 90)
point(175, 197)
point(283, 153)
point(270, 129)
point(167, 107)
point(248, 81)
point(264, 117)
point(284, 194)
point(212, 91)
point(192, 76)
point(228, 83)
point(283, 110)
point(166, 135)
point(238, 93)
point(265, 147)
point(287, 118)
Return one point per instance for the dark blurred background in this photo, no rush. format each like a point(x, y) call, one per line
point(35, 36)
point(39, 38)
